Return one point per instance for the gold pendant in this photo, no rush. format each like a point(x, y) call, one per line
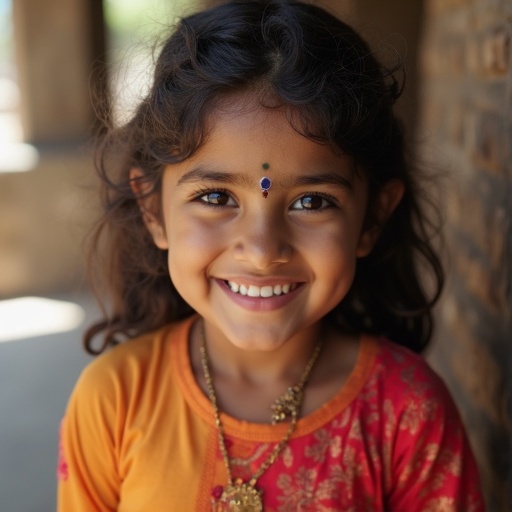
point(242, 497)
point(286, 405)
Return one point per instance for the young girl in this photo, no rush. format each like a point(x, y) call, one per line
point(265, 174)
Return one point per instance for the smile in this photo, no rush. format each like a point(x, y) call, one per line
point(261, 291)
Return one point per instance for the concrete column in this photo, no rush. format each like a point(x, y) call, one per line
point(45, 213)
point(57, 42)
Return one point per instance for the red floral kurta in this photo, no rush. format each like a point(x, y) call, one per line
point(398, 445)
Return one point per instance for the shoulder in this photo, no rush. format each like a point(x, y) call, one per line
point(411, 393)
point(131, 363)
point(405, 371)
point(428, 460)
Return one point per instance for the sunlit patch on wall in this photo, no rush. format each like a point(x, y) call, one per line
point(28, 317)
point(17, 157)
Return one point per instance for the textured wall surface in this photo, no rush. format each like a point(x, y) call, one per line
point(466, 113)
point(44, 216)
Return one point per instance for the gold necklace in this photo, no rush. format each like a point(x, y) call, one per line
point(240, 496)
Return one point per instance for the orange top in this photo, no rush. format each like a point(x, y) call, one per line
point(139, 435)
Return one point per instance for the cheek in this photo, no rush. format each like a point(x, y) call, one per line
point(192, 247)
point(332, 241)
point(192, 235)
point(338, 268)
point(186, 270)
point(333, 255)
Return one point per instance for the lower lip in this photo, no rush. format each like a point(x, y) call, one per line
point(259, 303)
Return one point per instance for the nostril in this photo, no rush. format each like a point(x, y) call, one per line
point(263, 246)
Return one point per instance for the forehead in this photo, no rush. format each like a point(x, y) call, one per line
point(243, 115)
point(242, 132)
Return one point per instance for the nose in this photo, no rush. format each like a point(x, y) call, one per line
point(264, 240)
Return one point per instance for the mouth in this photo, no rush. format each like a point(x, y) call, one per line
point(261, 291)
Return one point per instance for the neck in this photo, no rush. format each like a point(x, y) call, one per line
point(285, 363)
point(247, 382)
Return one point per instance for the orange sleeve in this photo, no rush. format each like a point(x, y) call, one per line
point(87, 472)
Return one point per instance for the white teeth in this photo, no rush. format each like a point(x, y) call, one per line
point(263, 291)
point(254, 291)
point(266, 291)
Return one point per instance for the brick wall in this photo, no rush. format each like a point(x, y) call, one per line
point(466, 124)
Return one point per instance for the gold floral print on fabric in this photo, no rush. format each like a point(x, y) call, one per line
point(287, 457)
point(398, 445)
point(325, 443)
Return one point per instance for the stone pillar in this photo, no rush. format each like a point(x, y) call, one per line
point(57, 43)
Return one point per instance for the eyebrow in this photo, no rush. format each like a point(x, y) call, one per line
point(324, 179)
point(204, 174)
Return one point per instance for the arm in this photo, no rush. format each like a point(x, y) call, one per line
point(433, 467)
point(87, 472)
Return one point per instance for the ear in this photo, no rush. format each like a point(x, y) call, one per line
point(387, 200)
point(149, 208)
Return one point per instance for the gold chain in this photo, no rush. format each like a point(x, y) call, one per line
point(240, 496)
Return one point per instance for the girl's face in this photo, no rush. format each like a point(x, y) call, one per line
point(262, 270)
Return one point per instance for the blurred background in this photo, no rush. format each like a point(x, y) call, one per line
point(458, 110)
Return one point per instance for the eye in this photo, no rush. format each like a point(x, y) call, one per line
point(311, 202)
point(216, 198)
